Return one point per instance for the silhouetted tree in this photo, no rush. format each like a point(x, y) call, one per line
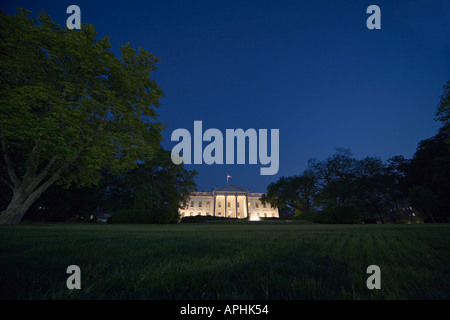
point(429, 169)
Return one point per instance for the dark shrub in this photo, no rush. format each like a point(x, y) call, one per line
point(338, 214)
point(369, 221)
point(306, 216)
point(197, 219)
point(166, 216)
point(159, 216)
point(346, 214)
point(270, 219)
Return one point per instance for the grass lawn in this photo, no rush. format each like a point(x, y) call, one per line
point(225, 261)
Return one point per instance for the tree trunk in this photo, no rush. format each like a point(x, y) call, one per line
point(15, 210)
point(432, 217)
point(18, 206)
point(12, 216)
point(393, 212)
point(379, 214)
point(28, 189)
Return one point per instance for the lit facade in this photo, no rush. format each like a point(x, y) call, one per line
point(229, 202)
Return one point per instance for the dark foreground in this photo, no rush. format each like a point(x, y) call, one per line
point(225, 261)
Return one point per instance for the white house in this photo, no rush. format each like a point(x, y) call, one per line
point(229, 202)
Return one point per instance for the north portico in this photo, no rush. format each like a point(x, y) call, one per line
point(229, 201)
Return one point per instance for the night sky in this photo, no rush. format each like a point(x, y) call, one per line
point(311, 69)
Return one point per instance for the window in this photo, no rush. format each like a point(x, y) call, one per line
point(264, 205)
point(191, 213)
point(238, 204)
point(229, 204)
point(192, 204)
point(220, 204)
point(199, 213)
point(200, 204)
point(256, 205)
point(207, 204)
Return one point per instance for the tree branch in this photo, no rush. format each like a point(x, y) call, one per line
point(293, 205)
point(7, 183)
point(55, 175)
point(9, 165)
point(32, 162)
point(34, 188)
point(35, 182)
point(65, 165)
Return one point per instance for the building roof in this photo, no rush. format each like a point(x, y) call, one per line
point(230, 188)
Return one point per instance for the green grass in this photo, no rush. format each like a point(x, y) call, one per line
point(225, 261)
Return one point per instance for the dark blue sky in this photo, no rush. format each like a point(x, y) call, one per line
point(311, 69)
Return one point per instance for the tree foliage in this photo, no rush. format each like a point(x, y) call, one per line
point(429, 177)
point(69, 107)
point(335, 178)
point(296, 192)
point(443, 110)
point(156, 183)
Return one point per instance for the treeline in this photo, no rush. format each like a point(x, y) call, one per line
point(343, 189)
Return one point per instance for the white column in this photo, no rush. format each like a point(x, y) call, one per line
point(226, 205)
point(246, 205)
point(235, 205)
point(214, 208)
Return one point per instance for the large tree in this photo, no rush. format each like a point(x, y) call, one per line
point(336, 177)
point(69, 107)
point(428, 176)
point(371, 184)
point(296, 192)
